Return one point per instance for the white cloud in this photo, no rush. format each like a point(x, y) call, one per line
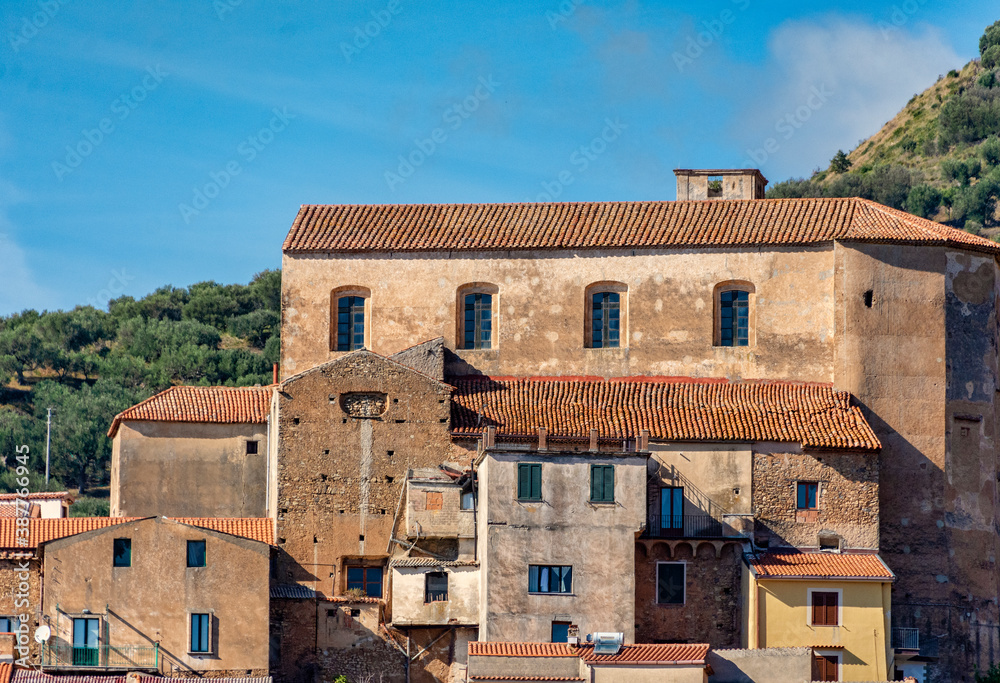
point(864, 74)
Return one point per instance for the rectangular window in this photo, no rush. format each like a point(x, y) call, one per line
point(201, 633)
point(734, 318)
point(672, 510)
point(671, 581)
point(826, 667)
point(251, 448)
point(122, 553)
point(478, 321)
point(550, 579)
point(436, 587)
point(468, 500)
point(350, 323)
point(7, 624)
point(806, 499)
point(529, 481)
point(560, 631)
point(602, 483)
point(605, 320)
point(86, 637)
point(366, 579)
point(824, 608)
point(196, 553)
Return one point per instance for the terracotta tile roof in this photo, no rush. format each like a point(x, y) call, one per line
point(6, 671)
point(820, 565)
point(648, 654)
point(222, 405)
point(602, 225)
point(496, 649)
point(346, 599)
point(255, 528)
point(42, 530)
point(43, 495)
point(430, 562)
point(11, 510)
point(672, 410)
point(32, 676)
point(517, 679)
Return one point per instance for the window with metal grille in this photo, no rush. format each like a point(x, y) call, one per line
point(436, 587)
point(734, 318)
point(201, 633)
point(605, 320)
point(602, 483)
point(478, 321)
point(367, 579)
point(550, 579)
point(529, 481)
point(350, 323)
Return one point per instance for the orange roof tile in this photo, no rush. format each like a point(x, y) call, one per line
point(42, 530)
point(601, 225)
point(255, 528)
point(518, 679)
point(6, 671)
point(42, 495)
point(223, 405)
point(820, 565)
point(497, 649)
point(648, 654)
point(686, 410)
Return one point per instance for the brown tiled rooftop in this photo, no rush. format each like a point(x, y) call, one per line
point(820, 565)
point(223, 405)
point(43, 530)
point(499, 649)
point(255, 528)
point(41, 495)
point(813, 415)
point(610, 225)
point(649, 654)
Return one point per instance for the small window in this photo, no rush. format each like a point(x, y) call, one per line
point(806, 495)
point(436, 587)
point(734, 318)
point(122, 556)
point(560, 631)
point(201, 633)
point(365, 579)
point(824, 608)
point(468, 500)
point(714, 186)
point(252, 448)
point(670, 583)
point(529, 481)
point(602, 483)
point(550, 579)
point(826, 666)
point(350, 323)
point(7, 624)
point(478, 330)
point(605, 320)
point(196, 553)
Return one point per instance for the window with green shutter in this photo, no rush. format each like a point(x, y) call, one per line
point(529, 481)
point(602, 483)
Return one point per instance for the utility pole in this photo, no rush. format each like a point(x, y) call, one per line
point(48, 440)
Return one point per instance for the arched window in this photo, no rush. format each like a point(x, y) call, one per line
point(733, 314)
point(476, 316)
point(605, 315)
point(349, 318)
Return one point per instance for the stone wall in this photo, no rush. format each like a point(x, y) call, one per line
point(293, 640)
point(433, 510)
point(14, 602)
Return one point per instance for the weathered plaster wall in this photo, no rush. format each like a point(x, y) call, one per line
point(649, 674)
point(185, 469)
point(556, 667)
point(438, 515)
point(541, 307)
point(848, 502)
point(408, 595)
point(564, 528)
point(151, 601)
point(773, 664)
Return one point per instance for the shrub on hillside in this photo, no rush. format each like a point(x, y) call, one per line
point(923, 201)
point(990, 151)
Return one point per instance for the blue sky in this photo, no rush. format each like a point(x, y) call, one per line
point(148, 143)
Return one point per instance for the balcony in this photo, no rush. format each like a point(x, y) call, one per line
point(66, 656)
point(906, 639)
point(688, 526)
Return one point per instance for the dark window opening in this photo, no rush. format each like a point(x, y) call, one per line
point(605, 320)
point(366, 579)
point(734, 318)
point(560, 631)
point(122, 552)
point(478, 321)
point(252, 448)
point(201, 639)
point(602, 483)
point(670, 581)
point(7, 624)
point(436, 587)
point(350, 323)
point(196, 553)
point(806, 498)
point(550, 579)
point(529, 481)
point(714, 186)
point(869, 298)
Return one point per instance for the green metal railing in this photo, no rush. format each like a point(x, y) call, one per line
point(101, 657)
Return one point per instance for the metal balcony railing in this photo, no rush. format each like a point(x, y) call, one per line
point(906, 638)
point(685, 526)
point(101, 657)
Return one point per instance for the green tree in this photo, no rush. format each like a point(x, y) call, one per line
point(840, 163)
point(990, 37)
point(923, 201)
point(990, 151)
point(265, 289)
point(991, 675)
point(991, 58)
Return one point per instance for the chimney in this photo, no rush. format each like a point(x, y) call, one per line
point(274, 374)
point(593, 440)
point(543, 441)
point(719, 183)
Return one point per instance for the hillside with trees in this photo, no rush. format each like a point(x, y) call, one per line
point(938, 158)
point(87, 365)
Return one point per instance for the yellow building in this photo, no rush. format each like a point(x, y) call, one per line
point(836, 603)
